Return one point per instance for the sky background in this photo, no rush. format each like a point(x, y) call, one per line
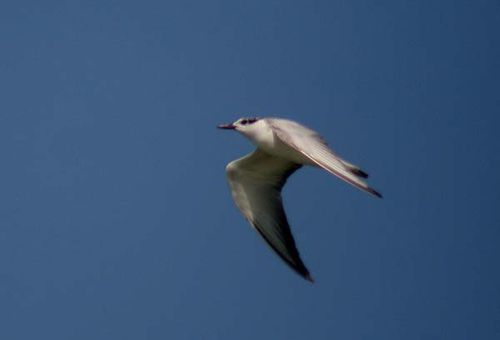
point(116, 220)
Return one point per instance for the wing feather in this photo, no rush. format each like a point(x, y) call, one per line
point(312, 145)
point(256, 181)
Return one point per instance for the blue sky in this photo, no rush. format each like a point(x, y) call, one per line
point(116, 221)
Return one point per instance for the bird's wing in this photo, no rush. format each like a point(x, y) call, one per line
point(256, 181)
point(313, 146)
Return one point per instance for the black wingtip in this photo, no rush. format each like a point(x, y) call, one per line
point(359, 172)
point(304, 272)
point(375, 193)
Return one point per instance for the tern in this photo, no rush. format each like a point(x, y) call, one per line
point(256, 180)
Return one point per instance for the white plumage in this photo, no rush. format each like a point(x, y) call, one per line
point(256, 180)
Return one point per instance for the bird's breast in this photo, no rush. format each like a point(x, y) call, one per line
point(273, 145)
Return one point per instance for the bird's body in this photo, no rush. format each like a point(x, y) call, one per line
point(256, 180)
point(263, 135)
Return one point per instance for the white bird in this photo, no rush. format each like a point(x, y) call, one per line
point(256, 179)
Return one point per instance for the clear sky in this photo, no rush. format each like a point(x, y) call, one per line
point(116, 221)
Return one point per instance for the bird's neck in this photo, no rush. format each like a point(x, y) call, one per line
point(262, 136)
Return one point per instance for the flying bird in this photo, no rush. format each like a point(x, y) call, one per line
point(256, 180)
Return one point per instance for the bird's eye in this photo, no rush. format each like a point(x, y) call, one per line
point(244, 122)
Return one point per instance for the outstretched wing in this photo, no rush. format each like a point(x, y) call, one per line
point(312, 146)
point(256, 181)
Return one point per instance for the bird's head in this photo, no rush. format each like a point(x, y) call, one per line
point(243, 125)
